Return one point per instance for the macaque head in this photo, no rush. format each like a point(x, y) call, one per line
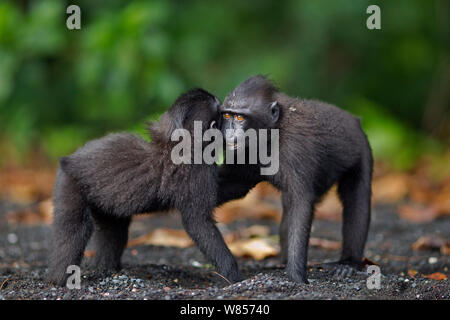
point(194, 105)
point(250, 106)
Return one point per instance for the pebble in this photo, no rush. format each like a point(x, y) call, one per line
point(196, 264)
point(432, 260)
point(12, 238)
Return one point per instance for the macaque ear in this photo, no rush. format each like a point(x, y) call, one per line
point(167, 124)
point(172, 121)
point(275, 111)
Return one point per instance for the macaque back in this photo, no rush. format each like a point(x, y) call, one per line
point(100, 186)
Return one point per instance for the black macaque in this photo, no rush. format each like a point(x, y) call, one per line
point(319, 145)
point(100, 186)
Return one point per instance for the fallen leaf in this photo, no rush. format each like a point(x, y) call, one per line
point(390, 188)
point(441, 201)
point(429, 242)
point(163, 237)
point(262, 202)
point(445, 250)
point(435, 276)
point(33, 215)
point(330, 208)
point(247, 233)
point(89, 253)
point(46, 210)
point(257, 249)
point(417, 213)
point(412, 273)
point(21, 185)
point(324, 244)
point(368, 262)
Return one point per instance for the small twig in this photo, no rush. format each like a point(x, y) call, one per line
point(3, 283)
point(229, 282)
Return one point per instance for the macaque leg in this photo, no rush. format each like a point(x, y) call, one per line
point(232, 189)
point(355, 192)
point(299, 218)
point(284, 237)
point(110, 239)
point(202, 229)
point(72, 228)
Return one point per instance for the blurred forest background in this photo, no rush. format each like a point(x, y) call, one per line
point(131, 59)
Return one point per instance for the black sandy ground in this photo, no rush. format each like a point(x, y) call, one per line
point(173, 273)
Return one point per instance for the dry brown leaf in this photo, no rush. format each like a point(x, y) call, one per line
point(445, 250)
point(252, 242)
point(412, 273)
point(417, 213)
point(429, 242)
point(435, 276)
point(368, 262)
point(247, 233)
point(441, 202)
point(46, 210)
point(89, 253)
point(324, 244)
point(257, 249)
point(37, 214)
point(330, 208)
point(26, 185)
point(262, 202)
point(390, 187)
point(163, 237)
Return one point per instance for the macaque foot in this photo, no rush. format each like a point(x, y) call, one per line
point(57, 279)
point(234, 277)
point(106, 266)
point(298, 277)
point(341, 269)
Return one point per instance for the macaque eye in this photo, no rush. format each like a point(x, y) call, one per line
point(239, 118)
point(226, 115)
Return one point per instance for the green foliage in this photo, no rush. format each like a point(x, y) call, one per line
point(131, 59)
point(391, 139)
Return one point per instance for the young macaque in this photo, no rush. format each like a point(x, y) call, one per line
point(100, 186)
point(319, 145)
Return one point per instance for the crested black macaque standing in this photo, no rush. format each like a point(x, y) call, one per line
point(100, 186)
point(319, 145)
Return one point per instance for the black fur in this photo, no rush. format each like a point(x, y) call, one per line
point(320, 145)
point(100, 186)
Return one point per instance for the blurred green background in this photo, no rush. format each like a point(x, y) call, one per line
point(131, 59)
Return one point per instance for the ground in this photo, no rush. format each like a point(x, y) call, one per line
point(152, 272)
